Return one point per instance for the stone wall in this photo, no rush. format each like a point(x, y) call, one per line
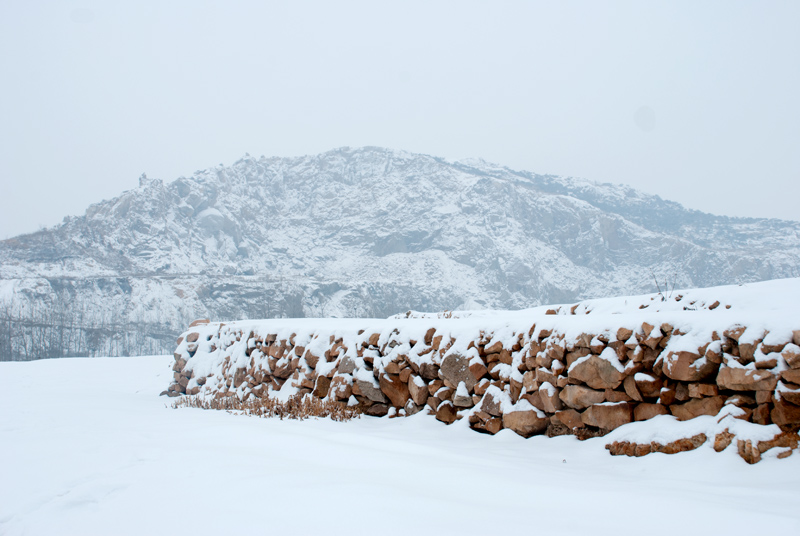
point(550, 375)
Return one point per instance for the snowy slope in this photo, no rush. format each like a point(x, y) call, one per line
point(373, 232)
point(95, 451)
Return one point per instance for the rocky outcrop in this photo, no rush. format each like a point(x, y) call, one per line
point(357, 232)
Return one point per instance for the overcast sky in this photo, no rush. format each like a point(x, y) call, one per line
point(694, 101)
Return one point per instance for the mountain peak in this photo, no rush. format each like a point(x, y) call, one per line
point(371, 231)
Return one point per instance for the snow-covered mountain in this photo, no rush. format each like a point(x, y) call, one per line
point(366, 232)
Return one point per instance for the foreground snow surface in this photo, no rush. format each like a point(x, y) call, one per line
point(88, 447)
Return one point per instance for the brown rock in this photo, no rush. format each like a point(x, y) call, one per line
point(629, 384)
point(569, 418)
point(682, 392)
point(529, 381)
point(548, 394)
point(418, 390)
point(684, 445)
point(192, 337)
point(481, 386)
point(491, 404)
point(580, 397)
point(761, 414)
point(180, 363)
point(667, 396)
point(623, 334)
point(392, 368)
point(429, 336)
point(790, 395)
point(696, 407)
point(535, 399)
point(649, 386)
point(791, 354)
point(478, 370)
point(700, 390)
point(199, 321)
point(785, 413)
point(445, 393)
point(687, 366)
point(597, 373)
point(377, 410)
point(526, 422)
point(740, 379)
point(429, 371)
point(769, 361)
point(434, 386)
point(748, 451)
point(617, 396)
point(455, 369)
point(371, 391)
point(446, 412)
point(741, 400)
point(374, 339)
point(607, 416)
point(734, 333)
point(714, 354)
point(340, 388)
point(394, 389)
point(321, 387)
point(722, 440)
point(311, 360)
point(483, 422)
point(643, 412)
point(652, 338)
point(545, 376)
point(493, 348)
point(462, 401)
point(791, 376)
point(576, 354)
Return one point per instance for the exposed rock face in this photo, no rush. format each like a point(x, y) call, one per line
point(234, 242)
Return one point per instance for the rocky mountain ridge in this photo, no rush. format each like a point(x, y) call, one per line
point(366, 232)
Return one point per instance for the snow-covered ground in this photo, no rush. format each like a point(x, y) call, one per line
point(88, 447)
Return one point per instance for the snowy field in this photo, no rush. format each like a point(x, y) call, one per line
point(88, 447)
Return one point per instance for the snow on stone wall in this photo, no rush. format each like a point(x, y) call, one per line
point(719, 375)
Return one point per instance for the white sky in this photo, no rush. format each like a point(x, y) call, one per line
point(694, 101)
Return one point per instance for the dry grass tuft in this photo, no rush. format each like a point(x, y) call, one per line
point(297, 407)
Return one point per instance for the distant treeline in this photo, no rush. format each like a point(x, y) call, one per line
point(92, 317)
point(70, 321)
point(35, 331)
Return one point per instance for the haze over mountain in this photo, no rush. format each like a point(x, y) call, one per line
point(361, 232)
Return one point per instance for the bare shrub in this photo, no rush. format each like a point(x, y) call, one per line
point(297, 407)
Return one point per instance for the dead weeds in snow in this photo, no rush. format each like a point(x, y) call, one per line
point(298, 407)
